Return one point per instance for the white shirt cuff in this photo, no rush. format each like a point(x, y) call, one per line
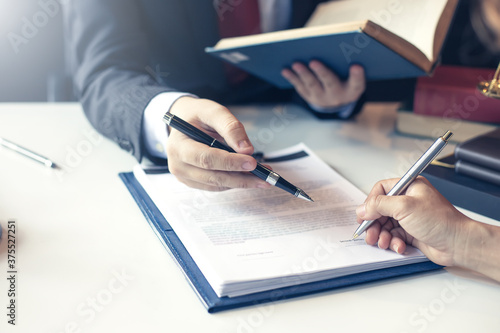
point(154, 129)
point(344, 111)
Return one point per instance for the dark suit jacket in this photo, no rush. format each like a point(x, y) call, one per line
point(124, 52)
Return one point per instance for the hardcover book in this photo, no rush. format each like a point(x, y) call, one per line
point(463, 191)
point(389, 40)
point(411, 123)
point(477, 171)
point(451, 93)
point(483, 150)
point(479, 157)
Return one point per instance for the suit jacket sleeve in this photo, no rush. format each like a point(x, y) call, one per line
point(107, 53)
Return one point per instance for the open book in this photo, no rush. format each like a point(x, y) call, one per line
point(390, 39)
point(247, 241)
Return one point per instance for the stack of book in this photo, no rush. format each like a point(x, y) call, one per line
point(413, 124)
point(449, 100)
point(471, 177)
point(480, 157)
point(451, 93)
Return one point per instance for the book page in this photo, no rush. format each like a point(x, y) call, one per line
point(281, 35)
point(413, 20)
point(249, 240)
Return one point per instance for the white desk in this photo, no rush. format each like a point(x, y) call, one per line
point(80, 229)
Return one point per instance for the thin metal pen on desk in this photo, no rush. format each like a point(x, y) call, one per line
point(260, 171)
point(28, 153)
point(411, 174)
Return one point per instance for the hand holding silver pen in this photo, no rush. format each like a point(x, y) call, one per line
point(411, 174)
point(28, 153)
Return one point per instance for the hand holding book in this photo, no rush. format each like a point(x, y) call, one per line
point(321, 88)
point(406, 43)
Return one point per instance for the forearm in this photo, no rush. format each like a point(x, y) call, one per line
point(108, 54)
point(478, 248)
point(115, 107)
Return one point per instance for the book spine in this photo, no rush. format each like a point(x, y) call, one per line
point(451, 102)
point(477, 158)
point(477, 171)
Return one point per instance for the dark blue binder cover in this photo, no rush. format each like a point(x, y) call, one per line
point(210, 300)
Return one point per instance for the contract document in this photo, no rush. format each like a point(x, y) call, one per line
point(246, 241)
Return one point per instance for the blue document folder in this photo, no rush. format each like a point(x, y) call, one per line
point(210, 300)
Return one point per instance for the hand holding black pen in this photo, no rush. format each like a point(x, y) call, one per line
point(260, 171)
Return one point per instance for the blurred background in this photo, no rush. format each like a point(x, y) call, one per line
point(32, 52)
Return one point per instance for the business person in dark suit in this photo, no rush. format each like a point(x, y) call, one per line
point(133, 60)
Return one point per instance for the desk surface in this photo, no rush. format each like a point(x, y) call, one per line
point(87, 261)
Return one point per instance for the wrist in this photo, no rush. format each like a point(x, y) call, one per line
point(183, 103)
point(470, 245)
point(154, 131)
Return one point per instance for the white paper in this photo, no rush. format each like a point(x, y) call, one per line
point(413, 20)
point(249, 240)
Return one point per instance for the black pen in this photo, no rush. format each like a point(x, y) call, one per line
point(260, 171)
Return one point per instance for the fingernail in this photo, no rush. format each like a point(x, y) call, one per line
point(297, 67)
point(396, 248)
point(243, 144)
point(356, 70)
point(247, 166)
point(361, 210)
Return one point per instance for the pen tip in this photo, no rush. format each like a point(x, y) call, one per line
point(303, 195)
point(355, 236)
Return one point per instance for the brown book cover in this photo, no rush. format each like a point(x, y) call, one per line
point(451, 93)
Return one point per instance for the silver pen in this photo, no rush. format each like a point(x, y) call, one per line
point(411, 174)
point(28, 153)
